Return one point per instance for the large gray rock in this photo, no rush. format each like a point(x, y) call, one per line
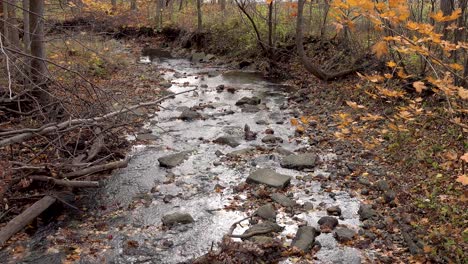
point(189, 115)
point(269, 177)
point(239, 153)
point(227, 140)
point(198, 56)
point(248, 101)
point(334, 210)
point(176, 218)
point(263, 228)
point(283, 151)
point(366, 212)
point(173, 160)
point(327, 223)
point(270, 139)
point(344, 234)
point(267, 212)
point(299, 161)
point(305, 237)
point(283, 200)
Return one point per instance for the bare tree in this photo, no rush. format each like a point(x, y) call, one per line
point(199, 15)
point(38, 54)
point(26, 31)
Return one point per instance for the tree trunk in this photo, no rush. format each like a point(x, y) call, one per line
point(12, 24)
point(199, 16)
point(308, 65)
point(38, 65)
point(133, 5)
point(222, 4)
point(159, 7)
point(114, 4)
point(26, 34)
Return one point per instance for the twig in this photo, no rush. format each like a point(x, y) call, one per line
point(98, 168)
point(75, 184)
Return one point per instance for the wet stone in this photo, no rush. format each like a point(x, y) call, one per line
point(327, 223)
point(299, 161)
point(176, 218)
point(344, 234)
point(250, 108)
point(308, 206)
point(198, 57)
point(366, 212)
point(263, 228)
point(283, 200)
point(270, 139)
point(334, 210)
point(262, 239)
point(262, 122)
point(189, 115)
point(389, 196)
point(173, 160)
point(220, 88)
point(382, 186)
point(240, 152)
point(267, 212)
point(283, 151)
point(269, 177)
point(365, 192)
point(248, 101)
point(305, 237)
point(227, 140)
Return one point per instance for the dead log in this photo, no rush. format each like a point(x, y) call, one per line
point(50, 128)
point(98, 168)
point(98, 144)
point(74, 184)
point(20, 221)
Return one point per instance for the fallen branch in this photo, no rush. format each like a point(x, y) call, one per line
point(20, 221)
point(98, 144)
point(52, 128)
point(74, 184)
point(98, 168)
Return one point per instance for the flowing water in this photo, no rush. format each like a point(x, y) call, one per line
point(138, 196)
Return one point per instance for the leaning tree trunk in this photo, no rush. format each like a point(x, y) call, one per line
point(308, 65)
point(38, 65)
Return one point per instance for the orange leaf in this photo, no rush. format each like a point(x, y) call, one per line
point(419, 86)
point(294, 122)
point(380, 48)
point(464, 157)
point(463, 179)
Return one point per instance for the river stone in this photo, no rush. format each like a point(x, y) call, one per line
point(389, 196)
point(382, 186)
point(269, 177)
point(198, 56)
point(299, 161)
point(173, 160)
point(227, 140)
point(334, 210)
point(344, 234)
point(248, 101)
point(176, 218)
point(189, 115)
point(283, 200)
point(366, 212)
point(305, 237)
point(263, 228)
point(239, 153)
point(267, 212)
point(327, 223)
point(250, 108)
point(283, 151)
point(270, 139)
point(262, 239)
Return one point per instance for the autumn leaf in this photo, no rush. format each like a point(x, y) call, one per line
point(391, 64)
point(380, 49)
point(464, 157)
point(354, 105)
point(463, 93)
point(463, 179)
point(419, 86)
point(294, 122)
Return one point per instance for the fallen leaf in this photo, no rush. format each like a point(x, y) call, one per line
point(463, 179)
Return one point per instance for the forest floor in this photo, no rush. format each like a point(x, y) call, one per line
point(417, 209)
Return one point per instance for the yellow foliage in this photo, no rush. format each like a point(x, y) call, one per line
point(380, 49)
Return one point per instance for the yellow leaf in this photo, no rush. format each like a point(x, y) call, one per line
point(463, 93)
point(380, 48)
point(419, 86)
point(355, 105)
point(391, 64)
point(304, 120)
point(463, 179)
point(456, 66)
point(294, 122)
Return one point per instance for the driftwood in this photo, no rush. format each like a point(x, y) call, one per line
point(98, 168)
point(50, 128)
point(20, 221)
point(75, 184)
